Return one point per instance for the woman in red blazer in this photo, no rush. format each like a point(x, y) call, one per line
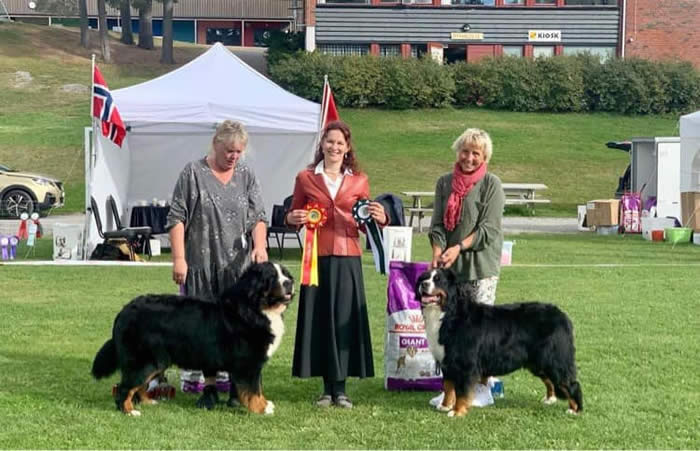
point(333, 337)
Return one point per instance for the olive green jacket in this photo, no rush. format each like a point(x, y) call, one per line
point(482, 212)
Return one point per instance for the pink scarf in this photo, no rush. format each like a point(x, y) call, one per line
point(462, 183)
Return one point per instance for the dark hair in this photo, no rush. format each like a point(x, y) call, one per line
point(350, 160)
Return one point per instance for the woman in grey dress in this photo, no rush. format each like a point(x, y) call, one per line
point(217, 207)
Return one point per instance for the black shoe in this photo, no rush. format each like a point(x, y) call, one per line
point(324, 401)
point(209, 398)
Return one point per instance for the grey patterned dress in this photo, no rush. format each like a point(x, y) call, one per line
point(218, 220)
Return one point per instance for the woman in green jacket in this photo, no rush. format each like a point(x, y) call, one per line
point(465, 232)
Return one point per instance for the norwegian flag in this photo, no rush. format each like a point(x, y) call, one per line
point(328, 111)
point(104, 109)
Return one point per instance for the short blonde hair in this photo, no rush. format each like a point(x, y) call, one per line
point(474, 137)
point(229, 132)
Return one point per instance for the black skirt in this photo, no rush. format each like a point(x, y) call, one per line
point(333, 338)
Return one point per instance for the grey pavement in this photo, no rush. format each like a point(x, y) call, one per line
point(511, 224)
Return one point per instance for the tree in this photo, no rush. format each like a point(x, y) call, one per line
point(104, 39)
point(125, 14)
point(84, 25)
point(166, 55)
point(145, 8)
point(127, 36)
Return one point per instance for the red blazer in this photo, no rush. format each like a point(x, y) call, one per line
point(340, 235)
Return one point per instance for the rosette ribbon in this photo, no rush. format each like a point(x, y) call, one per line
point(360, 211)
point(13, 247)
point(316, 218)
point(22, 231)
point(4, 243)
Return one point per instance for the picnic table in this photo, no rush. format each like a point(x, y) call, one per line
point(417, 209)
point(515, 193)
point(524, 194)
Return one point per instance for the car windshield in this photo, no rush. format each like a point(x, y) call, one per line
point(6, 169)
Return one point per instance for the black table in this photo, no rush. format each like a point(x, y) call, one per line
point(153, 216)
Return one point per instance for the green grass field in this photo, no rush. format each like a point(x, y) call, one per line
point(633, 304)
point(41, 128)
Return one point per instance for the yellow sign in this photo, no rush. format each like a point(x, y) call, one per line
point(467, 36)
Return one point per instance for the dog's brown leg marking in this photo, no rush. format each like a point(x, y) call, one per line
point(464, 402)
point(142, 393)
point(449, 400)
point(128, 405)
point(485, 380)
point(254, 402)
point(550, 387)
point(572, 404)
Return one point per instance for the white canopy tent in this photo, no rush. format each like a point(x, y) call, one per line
point(690, 152)
point(171, 121)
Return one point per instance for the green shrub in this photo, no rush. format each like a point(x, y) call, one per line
point(557, 84)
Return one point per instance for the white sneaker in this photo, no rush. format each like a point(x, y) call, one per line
point(436, 401)
point(482, 397)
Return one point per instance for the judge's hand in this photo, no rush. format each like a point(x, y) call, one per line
point(297, 217)
point(376, 210)
point(179, 271)
point(259, 255)
point(449, 256)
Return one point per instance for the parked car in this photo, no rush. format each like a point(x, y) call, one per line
point(26, 192)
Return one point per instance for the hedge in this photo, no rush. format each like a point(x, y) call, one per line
point(556, 84)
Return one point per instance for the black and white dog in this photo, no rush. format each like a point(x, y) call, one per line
point(473, 341)
point(238, 334)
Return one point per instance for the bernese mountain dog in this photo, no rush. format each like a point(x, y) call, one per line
point(473, 341)
point(237, 333)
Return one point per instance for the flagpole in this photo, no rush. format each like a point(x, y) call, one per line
point(89, 164)
point(324, 110)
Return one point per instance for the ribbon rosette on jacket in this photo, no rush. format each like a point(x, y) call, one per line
point(317, 218)
point(360, 211)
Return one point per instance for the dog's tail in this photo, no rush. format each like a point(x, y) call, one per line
point(105, 362)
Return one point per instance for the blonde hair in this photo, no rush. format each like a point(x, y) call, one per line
point(229, 132)
point(474, 137)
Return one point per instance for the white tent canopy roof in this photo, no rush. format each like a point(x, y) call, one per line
point(207, 89)
point(690, 125)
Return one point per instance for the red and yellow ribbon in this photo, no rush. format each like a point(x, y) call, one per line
point(317, 217)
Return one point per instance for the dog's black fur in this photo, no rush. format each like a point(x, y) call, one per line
point(482, 340)
point(233, 334)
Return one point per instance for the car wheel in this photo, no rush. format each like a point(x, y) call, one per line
point(17, 202)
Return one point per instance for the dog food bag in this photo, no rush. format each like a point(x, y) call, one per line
point(408, 362)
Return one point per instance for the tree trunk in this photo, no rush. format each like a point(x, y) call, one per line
point(104, 39)
point(125, 14)
point(166, 56)
point(84, 25)
point(146, 25)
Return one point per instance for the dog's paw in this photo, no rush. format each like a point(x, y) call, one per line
point(134, 413)
point(550, 400)
point(209, 398)
point(269, 408)
point(442, 408)
point(571, 412)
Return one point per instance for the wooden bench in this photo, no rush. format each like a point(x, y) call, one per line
point(524, 194)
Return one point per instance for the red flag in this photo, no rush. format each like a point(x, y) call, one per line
point(328, 111)
point(105, 110)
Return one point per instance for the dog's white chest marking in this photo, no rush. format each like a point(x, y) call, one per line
point(432, 316)
point(277, 330)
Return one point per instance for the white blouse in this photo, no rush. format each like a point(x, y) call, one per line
point(332, 185)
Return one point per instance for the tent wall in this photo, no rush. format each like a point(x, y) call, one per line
point(690, 152)
point(110, 176)
point(158, 158)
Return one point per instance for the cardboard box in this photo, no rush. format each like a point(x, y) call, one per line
point(603, 212)
point(690, 206)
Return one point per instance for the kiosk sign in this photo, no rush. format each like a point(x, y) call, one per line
point(544, 35)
